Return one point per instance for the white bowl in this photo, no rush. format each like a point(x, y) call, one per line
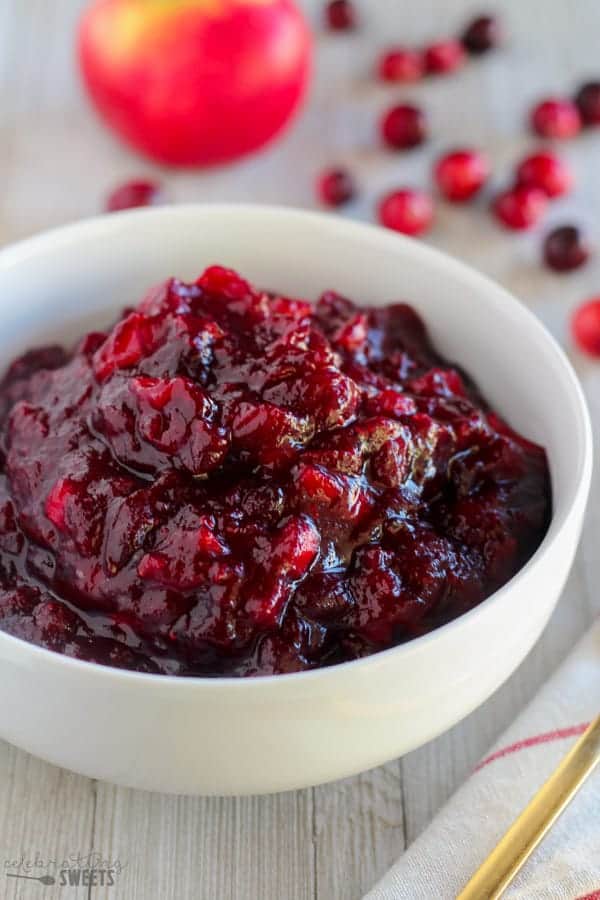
point(230, 736)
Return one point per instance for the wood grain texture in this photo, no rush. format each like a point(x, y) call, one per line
point(370, 807)
point(208, 848)
point(56, 164)
point(46, 816)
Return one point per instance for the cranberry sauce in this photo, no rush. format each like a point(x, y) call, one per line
point(231, 482)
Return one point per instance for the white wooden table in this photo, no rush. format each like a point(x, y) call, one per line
point(56, 164)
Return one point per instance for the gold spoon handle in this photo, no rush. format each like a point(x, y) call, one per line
point(537, 818)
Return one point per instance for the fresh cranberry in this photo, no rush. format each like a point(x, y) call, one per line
point(520, 207)
point(340, 15)
point(482, 34)
point(401, 64)
point(587, 99)
point(565, 248)
point(233, 482)
point(444, 56)
point(408, 211)
point(335, 187)
point(546, 171)
point(585, 327)
point(404, 126)
point(139, 192)
point(461, 174)
point(555, 118)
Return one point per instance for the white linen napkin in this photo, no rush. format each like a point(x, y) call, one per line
point(566, 865)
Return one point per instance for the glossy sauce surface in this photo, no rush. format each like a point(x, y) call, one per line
point(232, 482)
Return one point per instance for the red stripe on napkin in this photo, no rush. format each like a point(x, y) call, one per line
point(594, 896)
point(558, 735)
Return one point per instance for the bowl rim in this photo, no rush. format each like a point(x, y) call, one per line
point(426, 255)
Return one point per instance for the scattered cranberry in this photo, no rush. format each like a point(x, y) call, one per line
point(340, 15)
point(565, 249)
point(335, 187)
point(403, 127)
point(482, 34)
point(585, 326)
point(401, 64)
point(133, 193)
point(546, 171)
point(588, 102)
point(444, 57)
point(520, 207)
point(556, 119)
point(461, 174)
point(408, 211)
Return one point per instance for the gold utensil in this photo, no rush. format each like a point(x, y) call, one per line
point(537, 818)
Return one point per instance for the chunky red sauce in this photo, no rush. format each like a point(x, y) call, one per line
point(231, 482)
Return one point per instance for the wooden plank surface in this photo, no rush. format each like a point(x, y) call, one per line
point(56, 164)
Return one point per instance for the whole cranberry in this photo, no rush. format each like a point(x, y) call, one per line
point(482, 34)
point(340, 15)
point(444, 56)
point(461, 174)
point(546, 171)
point(138, 192)
point(565, 248)
point(587, 99)
point(404, 126)
point(520, 207)
point(408, 211)
point(401, 64)
point(555, 118)
point(335, 187)
point(585, 326)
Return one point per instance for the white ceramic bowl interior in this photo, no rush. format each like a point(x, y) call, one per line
point(228, 736)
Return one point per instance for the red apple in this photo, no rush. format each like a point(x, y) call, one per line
point(195, 82)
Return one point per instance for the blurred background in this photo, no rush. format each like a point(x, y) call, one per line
point(59, 162)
